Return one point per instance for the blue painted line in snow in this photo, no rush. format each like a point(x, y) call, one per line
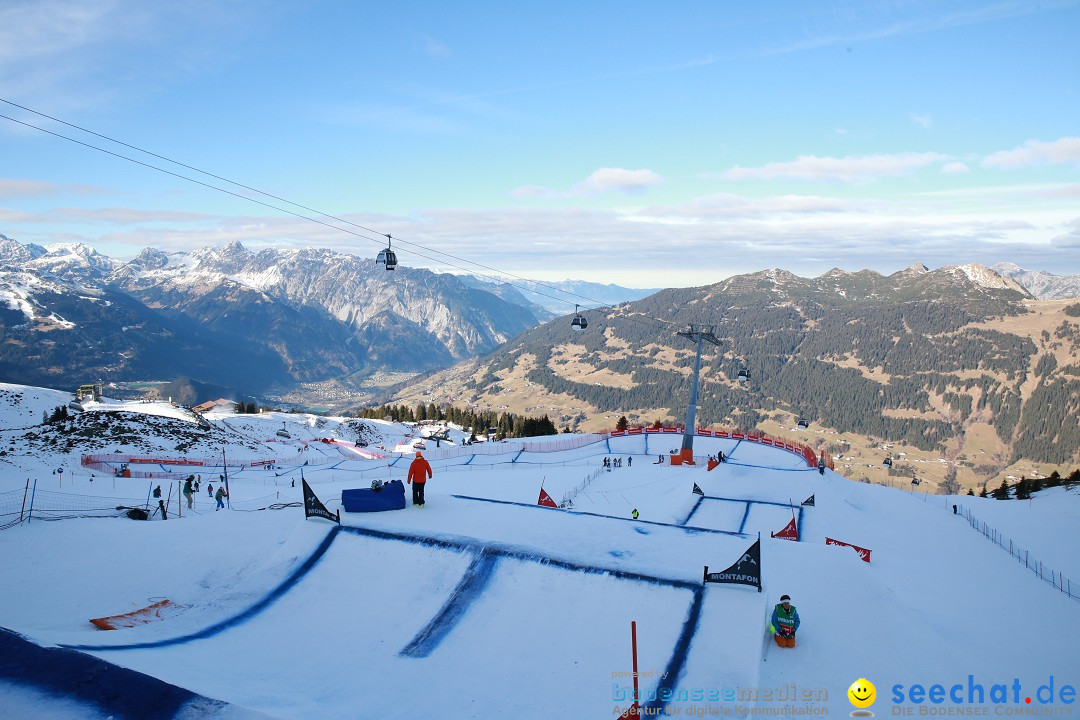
point(688, 528)
point(798, 524)
point(238, 619)
point(750, 500)
point(515, 553)
point(516, 457)
point(665, 690)
point(472, 584)
point(471, 458)
point(607, 443)
point(693, 510)
point(769, 467)
point(737, 444)
point(398, 458)
point(646, 444)
point(80, 678)
point(746, 514)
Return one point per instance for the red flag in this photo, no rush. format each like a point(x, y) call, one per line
point(790, 532)
point(864, 553)
point(545, 499)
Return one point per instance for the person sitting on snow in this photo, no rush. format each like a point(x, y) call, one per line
point(785, 621)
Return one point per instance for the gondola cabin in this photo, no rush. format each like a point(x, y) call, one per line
point(283, 433)
point(387, 257)
point(744, 375)
point(803, 423)
point(579, 322)
point(887, 462)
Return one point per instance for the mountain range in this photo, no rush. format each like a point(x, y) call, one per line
point(244, 320)
point(959, 362)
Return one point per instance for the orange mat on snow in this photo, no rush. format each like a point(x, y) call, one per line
point(161, 610)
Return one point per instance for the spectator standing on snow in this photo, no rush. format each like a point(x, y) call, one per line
point(210, 490)
point(629, 462)
point(157, 491)
point(419, 471)
point(188, 490)
point(220, 496)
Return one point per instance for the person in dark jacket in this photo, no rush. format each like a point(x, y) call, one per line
point(419, 472)
point(785, 621)
point(187, 489)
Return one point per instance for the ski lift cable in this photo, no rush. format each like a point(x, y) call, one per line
point(599, 305)
point(287, 211)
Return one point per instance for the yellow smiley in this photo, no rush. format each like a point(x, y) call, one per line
point(862, 693)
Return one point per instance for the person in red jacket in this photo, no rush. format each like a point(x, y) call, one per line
point(419, 471)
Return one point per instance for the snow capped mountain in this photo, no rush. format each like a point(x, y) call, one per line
point(985, 277)
point(320, 314)
point(1043, 285)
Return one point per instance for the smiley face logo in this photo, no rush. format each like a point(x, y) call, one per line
point(862, 693)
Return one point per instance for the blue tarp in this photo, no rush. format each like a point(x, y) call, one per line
point(391, 497)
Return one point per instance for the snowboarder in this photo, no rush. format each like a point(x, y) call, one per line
point(187, 490)
point(419, 471)
point(220, 496)
point(785, 621)
point(721, 456)
point(821, 466)
point(157, 492)
point(634, 514)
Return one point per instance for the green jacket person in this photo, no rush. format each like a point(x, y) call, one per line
point(785, 621)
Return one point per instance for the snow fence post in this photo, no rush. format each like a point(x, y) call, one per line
point(30, 512)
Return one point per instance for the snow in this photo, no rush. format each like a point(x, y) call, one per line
point(483, 604)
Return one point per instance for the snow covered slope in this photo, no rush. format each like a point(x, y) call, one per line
point(485, 605)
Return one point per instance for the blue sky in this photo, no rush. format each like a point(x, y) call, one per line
point(639, 143)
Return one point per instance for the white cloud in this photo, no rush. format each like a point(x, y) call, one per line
point(619, 180)
point(1035, 152)
point(923, 120)
point(845, 169)
point(604, 180)
point(955, 168)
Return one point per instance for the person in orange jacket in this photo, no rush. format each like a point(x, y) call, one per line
point(419, 471)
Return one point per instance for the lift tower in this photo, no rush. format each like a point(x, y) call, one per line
point(700, 335)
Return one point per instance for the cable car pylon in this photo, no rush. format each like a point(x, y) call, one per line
point(702, 335)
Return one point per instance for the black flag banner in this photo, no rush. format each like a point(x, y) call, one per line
point(313, 506)
point(698, 491)
point(747, 571)
point(809, 501)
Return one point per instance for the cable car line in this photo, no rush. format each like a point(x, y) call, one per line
point(382, 255)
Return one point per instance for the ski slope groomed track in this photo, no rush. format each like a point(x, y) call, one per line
point(485, 605)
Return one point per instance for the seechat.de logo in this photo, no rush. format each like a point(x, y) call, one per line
point(862, 695)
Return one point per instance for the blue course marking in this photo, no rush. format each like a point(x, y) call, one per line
point(395, 461)
point(516, 457)
point(769, 467)
point(750, 500)
point(745, 515)
point(110, 689)
point(235, 620)
point(688, 528)
point(666, 689)
point(479, 546)
point(693, 510)
point(471, 458)
point(646, 444)
point(472, 584)
point(737, 444)
point(607, 442)
point(798, 524)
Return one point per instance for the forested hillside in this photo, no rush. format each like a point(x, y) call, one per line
point(918, 358)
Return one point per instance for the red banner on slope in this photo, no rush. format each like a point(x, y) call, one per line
point(546, 500)
point(864, 553)
point(790, 532)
